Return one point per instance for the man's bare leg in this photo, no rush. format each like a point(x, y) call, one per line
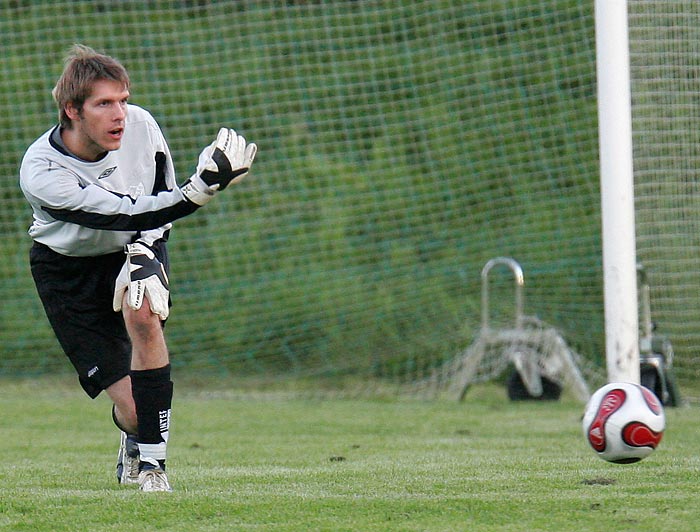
point(152, 392)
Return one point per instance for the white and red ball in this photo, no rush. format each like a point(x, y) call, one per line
point(623, 422)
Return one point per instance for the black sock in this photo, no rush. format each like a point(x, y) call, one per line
point(153, 393)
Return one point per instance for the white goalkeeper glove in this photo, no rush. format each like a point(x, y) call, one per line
point(226, 160)
point(142, 275)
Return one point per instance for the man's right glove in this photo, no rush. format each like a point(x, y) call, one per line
point(226, 160)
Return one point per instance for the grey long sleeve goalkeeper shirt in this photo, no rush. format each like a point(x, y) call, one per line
point(83, 208)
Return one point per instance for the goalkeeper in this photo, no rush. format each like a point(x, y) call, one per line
point(102, 189)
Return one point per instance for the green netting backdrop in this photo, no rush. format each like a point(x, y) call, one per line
point(401, 145)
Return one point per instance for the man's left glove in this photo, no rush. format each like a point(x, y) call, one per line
point(225, 161)
point(142, 275)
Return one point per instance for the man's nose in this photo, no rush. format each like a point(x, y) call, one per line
point(120, 113)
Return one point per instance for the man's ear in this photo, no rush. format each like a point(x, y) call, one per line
point(72, 111)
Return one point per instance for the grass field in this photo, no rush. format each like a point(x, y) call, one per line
point(269, 462)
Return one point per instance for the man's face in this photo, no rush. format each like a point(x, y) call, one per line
point(99, 126)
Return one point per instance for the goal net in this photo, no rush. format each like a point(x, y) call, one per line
point(401, 146)
point(664, 59)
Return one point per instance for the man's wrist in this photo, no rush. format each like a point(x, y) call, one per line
point(196, 191)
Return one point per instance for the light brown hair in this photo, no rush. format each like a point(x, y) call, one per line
point(84, 66)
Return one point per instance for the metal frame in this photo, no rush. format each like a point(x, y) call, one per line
point(523, 344)
point(655, 352)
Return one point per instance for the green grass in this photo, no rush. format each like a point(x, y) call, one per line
point(269, 462)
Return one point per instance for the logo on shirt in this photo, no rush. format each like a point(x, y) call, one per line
point(136, 191)
point(107, 172)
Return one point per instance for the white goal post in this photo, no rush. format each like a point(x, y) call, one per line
point(617, 191)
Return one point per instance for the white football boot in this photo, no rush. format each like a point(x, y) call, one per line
point(128, 460)
point(154, 480)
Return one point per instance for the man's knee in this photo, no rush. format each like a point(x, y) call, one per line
point(142, 324)
point(148, 347)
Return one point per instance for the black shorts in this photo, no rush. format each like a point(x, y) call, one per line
point(77, 294)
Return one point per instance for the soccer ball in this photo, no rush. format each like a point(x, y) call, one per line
point(623, 422)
